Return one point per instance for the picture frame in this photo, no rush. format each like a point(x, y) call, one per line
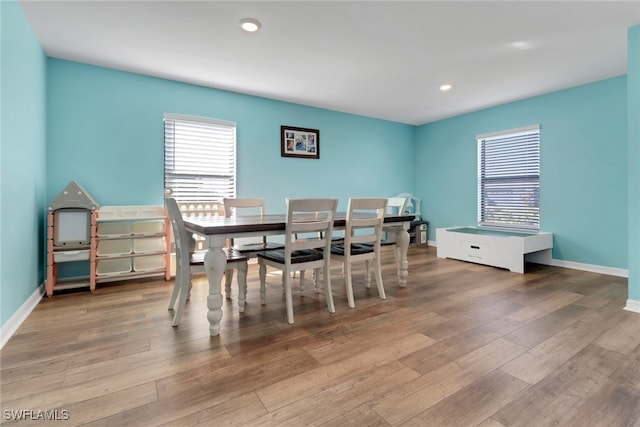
point(299, 142)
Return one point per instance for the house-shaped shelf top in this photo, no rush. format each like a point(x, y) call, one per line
point(73, 196)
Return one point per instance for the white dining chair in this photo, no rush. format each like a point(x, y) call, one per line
point(249, 247)
point(232, 207)
point(395, 206)
point(303, 216)
point(189, 262)
point(362, 235)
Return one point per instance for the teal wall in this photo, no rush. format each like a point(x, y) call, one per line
point(105, 131)
point(633, 114)
point(22, 161)
point(583, 156)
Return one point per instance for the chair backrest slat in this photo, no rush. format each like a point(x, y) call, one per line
point(203, 209)
point(397, 205)
point(231, 205)
point(309, 216)
point(365, 217)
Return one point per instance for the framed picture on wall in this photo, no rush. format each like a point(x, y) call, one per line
point(299, 142)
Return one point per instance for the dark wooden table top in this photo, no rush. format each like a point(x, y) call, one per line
point(252, 223)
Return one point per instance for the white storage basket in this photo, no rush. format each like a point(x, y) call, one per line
point(148, 228)
point(148, 263)
point(114, 229)
point(148, 245)
point(68, 256)
point(113, 267)
point(111, 248)
point(130, 212)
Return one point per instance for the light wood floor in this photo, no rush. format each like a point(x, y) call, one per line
point(461, 345)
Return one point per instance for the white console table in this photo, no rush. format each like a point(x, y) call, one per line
point(497, 248)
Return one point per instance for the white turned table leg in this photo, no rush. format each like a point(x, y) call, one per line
point(215, 262)
point(402, 246)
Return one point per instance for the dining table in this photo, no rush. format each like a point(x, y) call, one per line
point(217, 229)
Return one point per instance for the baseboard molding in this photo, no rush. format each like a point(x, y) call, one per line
point(14, 322)
point(620, 272)
point(632, 305)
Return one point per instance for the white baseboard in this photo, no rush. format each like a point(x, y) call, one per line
point(632, 305)
point(14, 322)
point(620, 272)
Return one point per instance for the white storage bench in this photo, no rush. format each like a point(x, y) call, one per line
point(497, 248)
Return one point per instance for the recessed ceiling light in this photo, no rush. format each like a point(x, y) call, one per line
point(250, 25)
point(521, 45)
point(446, 87)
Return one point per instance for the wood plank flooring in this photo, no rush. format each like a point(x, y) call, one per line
point(461, 345)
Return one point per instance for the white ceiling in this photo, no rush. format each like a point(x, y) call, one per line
point(383, 59)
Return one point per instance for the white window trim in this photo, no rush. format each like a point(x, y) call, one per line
point(171, 116)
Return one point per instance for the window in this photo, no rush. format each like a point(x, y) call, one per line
point(199, 158)
point(509, 179)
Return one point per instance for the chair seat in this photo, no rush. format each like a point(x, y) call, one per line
point(297, 257)
point(257, 247)
point(196, 258)
point(356, 249)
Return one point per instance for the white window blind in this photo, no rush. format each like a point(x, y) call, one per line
point(509, 179)
point(199, 158)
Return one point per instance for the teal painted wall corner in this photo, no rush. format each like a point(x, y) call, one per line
point(633, 113)
point(583, 184)
point(22, 157)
